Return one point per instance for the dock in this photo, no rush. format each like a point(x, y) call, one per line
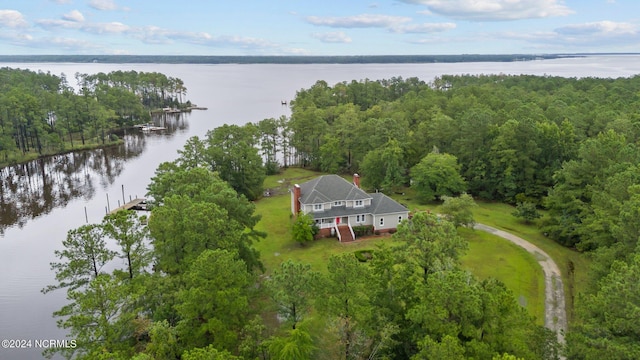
point(135, 204)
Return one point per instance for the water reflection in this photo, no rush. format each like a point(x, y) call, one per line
point(35, 188)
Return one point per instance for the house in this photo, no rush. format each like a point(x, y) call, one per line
point(337, 205)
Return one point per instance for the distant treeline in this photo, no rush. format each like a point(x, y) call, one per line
point(357, 59)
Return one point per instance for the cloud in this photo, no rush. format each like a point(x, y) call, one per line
point(359, 21)
point(579, 36)
point(94, 28)
point(74, 15)
point(332, 37)
point(158, 35)
point(50, 43)
point(103, 5)
point(495, 10)
point(12, 19)
point(599, 28)
point(394, 24)
point(423, 28)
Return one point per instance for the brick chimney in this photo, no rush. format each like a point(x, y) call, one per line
point(296, 199)
point(356, 180)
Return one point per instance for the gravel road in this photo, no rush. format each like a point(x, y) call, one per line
point(555, 313)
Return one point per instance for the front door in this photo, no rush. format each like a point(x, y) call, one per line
point(345, 220)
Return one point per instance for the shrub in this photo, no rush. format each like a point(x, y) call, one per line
point(362, 230)
point(527, 211)
point(363, 255)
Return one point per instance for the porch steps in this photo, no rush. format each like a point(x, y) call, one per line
point(345, 233)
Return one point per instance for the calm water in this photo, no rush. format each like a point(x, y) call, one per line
point(41, 201)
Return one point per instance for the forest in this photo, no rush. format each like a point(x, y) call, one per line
point(194, 287)
point(42, 114)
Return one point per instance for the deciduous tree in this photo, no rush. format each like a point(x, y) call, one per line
point(304, 228)
point(436, 175)
point(459, 210)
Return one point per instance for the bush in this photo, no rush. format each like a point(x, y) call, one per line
point(363, 230)
point(363, 255)
point(527, 211)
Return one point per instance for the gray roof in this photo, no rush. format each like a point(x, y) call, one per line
point(330, 188)
point(382, 204)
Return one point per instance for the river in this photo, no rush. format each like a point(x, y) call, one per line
point(42, 200)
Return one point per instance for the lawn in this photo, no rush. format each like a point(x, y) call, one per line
point(488, 255)
point(499, 216)
point(278, 246)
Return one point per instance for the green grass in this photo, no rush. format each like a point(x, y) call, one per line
point(498, 215)
point(488, 255)
point(278, 246)
point(283, 181)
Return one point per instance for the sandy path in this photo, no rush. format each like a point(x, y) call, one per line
point(555, 313)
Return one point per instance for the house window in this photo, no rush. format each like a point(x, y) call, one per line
point(359, 218)
point(337, 203)
point(317, 207)
point(359, 203)
point(381, 221)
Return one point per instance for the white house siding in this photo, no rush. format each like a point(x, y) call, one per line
point(368, 220)
point(391, 221)
point(308, 209)
point(365, 203)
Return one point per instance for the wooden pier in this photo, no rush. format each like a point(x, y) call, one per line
point(135, 204)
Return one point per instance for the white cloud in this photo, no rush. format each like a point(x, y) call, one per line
point(12, 19)
point(95, 28)
point(332, 37)
point(583, 37)
point(599, 28)
point(423, 28)
point(297, 51)
point(74, 15)
point(158, 35)
point(495, 10)
point(67, 43)
point(395, 24)
point(103, 4)
point(359, 21)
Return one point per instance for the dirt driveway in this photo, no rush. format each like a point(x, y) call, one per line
point(555, 313)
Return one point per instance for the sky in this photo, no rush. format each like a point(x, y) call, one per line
point(317, 27)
